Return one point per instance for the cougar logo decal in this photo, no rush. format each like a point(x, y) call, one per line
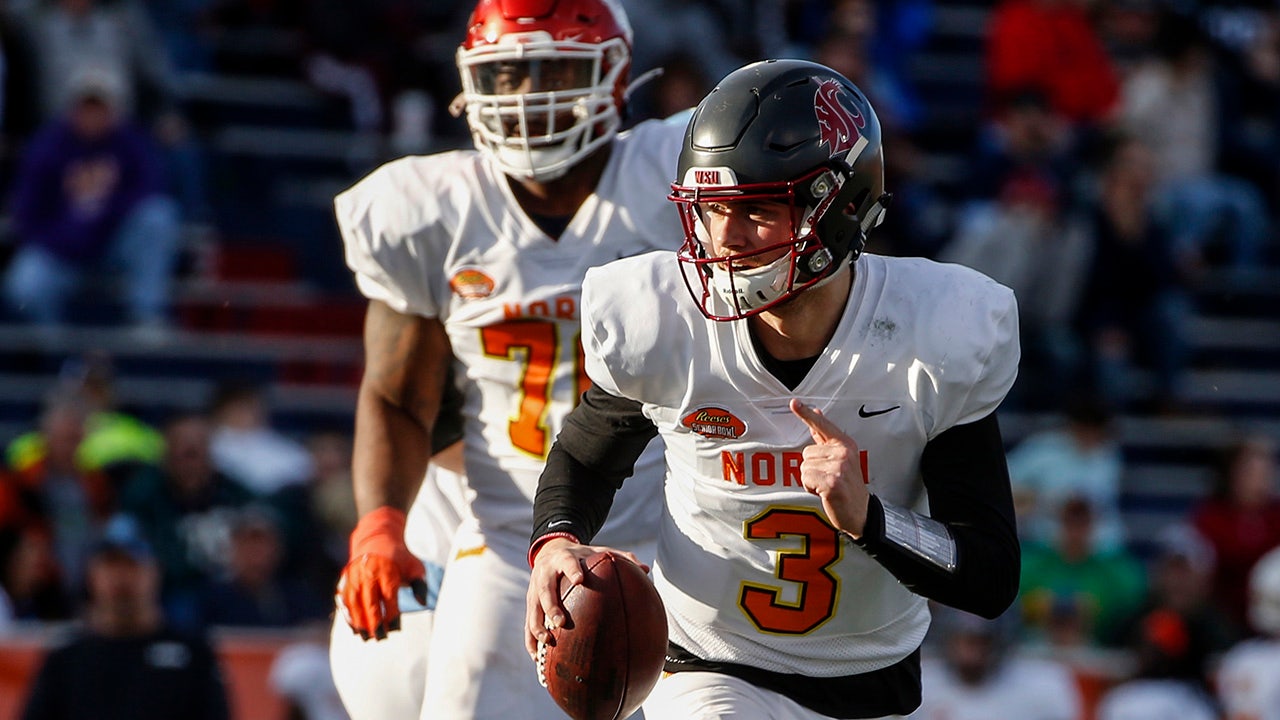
point(838, 123)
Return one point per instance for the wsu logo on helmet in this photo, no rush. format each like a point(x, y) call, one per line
point(838, 123)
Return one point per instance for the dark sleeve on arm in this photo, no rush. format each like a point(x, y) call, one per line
point(595, 451)
point(968, 482)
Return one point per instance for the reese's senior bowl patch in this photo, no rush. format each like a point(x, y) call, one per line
point(471, 283)
point(715, 423)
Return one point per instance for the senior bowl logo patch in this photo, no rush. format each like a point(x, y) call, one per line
point(471, 284)
point(715, 423)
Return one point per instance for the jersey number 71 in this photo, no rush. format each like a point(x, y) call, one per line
point(538, 346)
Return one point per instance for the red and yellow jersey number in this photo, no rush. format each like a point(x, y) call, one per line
point(538, 346)
point(812, 586)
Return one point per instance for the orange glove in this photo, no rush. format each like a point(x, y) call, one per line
point(379, 564)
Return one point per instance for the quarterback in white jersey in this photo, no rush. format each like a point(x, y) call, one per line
point(479, 256)
point(808, 397)
point(1248, 677)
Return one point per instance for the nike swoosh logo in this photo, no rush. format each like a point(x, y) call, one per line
point(558, 523)
point(862, 411)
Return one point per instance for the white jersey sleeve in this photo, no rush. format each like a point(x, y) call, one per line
point(394, 230)
point(966, 325)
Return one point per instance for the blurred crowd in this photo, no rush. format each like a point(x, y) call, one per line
point(1121, 152)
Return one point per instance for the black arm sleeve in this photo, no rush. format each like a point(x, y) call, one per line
point(965, 473)
point(595, 451)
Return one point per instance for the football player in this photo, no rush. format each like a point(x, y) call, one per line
point(1248, 678)
point(480, 255)
point(811, 398)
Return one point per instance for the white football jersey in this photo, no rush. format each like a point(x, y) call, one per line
point(1022, 688)
point(749, 568)
point(1248, 681)
point(443, 236)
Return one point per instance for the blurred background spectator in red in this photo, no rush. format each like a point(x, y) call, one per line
point(1241, 520)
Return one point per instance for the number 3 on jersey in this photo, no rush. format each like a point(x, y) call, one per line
point(806, 567)
point(538, 347)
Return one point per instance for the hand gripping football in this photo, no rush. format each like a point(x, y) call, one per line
point(609, 655)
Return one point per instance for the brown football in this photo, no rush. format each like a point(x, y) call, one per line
point(609, 655)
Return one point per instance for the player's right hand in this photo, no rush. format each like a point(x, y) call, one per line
point(557, 557)
point(379, 564)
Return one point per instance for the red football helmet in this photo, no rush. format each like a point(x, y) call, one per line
point(786, 131)
point(543, 81)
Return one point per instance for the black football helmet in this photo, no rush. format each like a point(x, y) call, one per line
point(779, 130)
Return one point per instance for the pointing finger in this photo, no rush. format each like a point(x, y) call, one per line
point(821, 428)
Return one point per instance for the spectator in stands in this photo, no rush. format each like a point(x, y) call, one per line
point(1247, 41)
point(1168, 681)
point(185, 509)
point(848, 45)
point(1241, 520)
point(90, 194)
point(1018, 224)
point(247, 448)
point(258, 590)
point(1136, 304)
point(52, 493)
point(185, 31)
point(332, 501)
point(1052, 46)
point(893, 34)
point(1072, 581)
point(114, 442)
point(127, 662)
point(1170, 101)
point(665, 26)
point(1248, 677)
point(117, 37)
point(980, 675)
point(1081, 457)
point(1179, 577)
point(30, 576)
